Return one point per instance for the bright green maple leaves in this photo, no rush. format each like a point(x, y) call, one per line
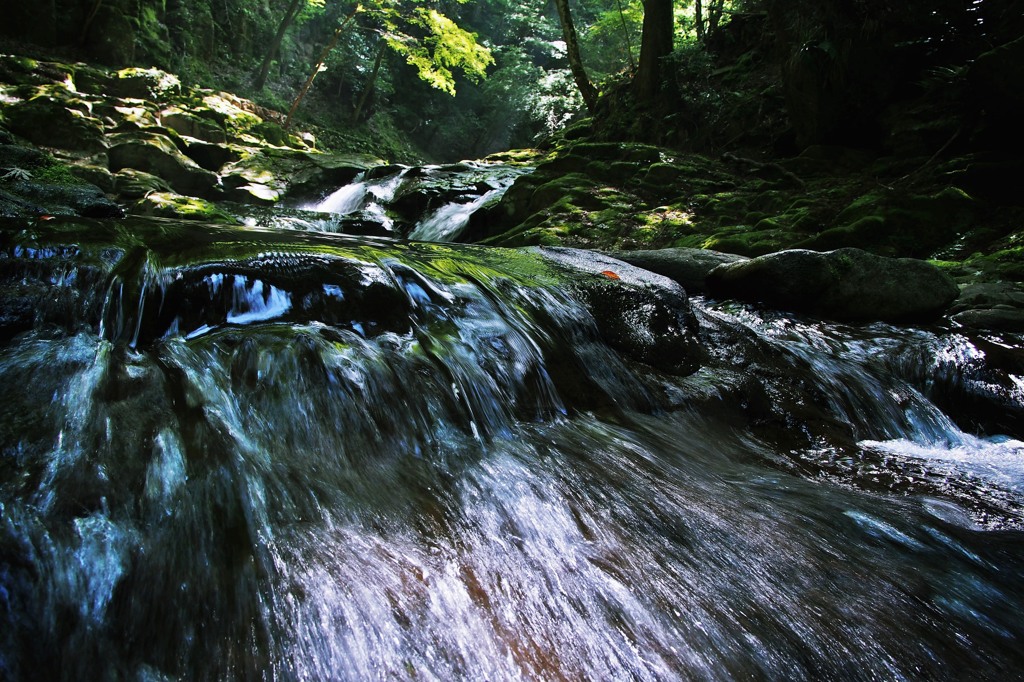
point(434, 44)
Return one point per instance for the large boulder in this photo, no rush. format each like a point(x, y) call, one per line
point(846, 284)
point(157, 154)
point(192, 125)
point(27, 197)
point(54, 120)
point(688, 267)
point(643, 315)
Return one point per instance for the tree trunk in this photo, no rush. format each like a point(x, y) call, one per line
point(88, 21)
point(286, 20)
point(625, 36)
point(319, 63)
point(698, 19)
point(715, 8)
point(371, 81)
point(655, 44)
point(579, 74)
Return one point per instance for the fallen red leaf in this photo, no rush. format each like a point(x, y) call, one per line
point(610, 275)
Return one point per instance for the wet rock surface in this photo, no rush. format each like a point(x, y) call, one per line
point(642, 314)
point(846, 284)
point(688, 267)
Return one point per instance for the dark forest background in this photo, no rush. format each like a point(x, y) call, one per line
point(767, 77)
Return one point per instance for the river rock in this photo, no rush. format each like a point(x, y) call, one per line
point(639, 313)
point(56, 122)
point(191, 125)
point(688, 267)
point(26, 197)
point(157, 154)
point(847, 284)
point(997, 306)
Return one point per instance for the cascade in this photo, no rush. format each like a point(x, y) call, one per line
point(247, 453)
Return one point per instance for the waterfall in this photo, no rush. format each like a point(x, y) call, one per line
point(448, 222)
point(362, 194)
point(236, 453)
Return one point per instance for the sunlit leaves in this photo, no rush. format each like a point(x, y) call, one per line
point(444, 47)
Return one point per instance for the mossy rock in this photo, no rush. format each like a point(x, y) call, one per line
point(846, 284)
point(617, 151)
point(131, 184)
point(232, 114)
point(870, 230)
point(52, 122)
point(665, 176)
point(192, 125)
point(517, 157)
point(159, 155)
point(171, 205)
point(255, 193)
point(917, 226)
point(573, 185)
point(17, 70)
point(126, 117)
point(744, 240)
point(563, 163)
point(69, 196)
point(271, 132)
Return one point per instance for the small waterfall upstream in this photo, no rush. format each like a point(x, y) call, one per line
point(241, 453)
point(429, 203)
point(363, 194)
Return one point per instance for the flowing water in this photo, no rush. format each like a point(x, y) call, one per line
point(235, 453)
point(438, 201)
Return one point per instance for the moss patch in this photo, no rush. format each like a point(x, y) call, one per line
point(171, 205)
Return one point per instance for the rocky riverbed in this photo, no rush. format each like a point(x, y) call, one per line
point(80, 140)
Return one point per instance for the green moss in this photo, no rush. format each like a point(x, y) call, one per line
point(747, 241)
point(867, 232)
point(518, 157)
point(271, 132)
point(170, 205)
point(57, 173)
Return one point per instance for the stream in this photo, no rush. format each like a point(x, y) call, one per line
point(247, 452)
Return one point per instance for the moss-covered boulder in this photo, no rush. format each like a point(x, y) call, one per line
point(193, 125)
point(171, 205)
point(846, 284)
point(28, 197)
point(159, 155)
point(55, 119)
point(33, 182)
point(138, 84)
point(997, 306)
point(915, 225)
point(131, 184)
